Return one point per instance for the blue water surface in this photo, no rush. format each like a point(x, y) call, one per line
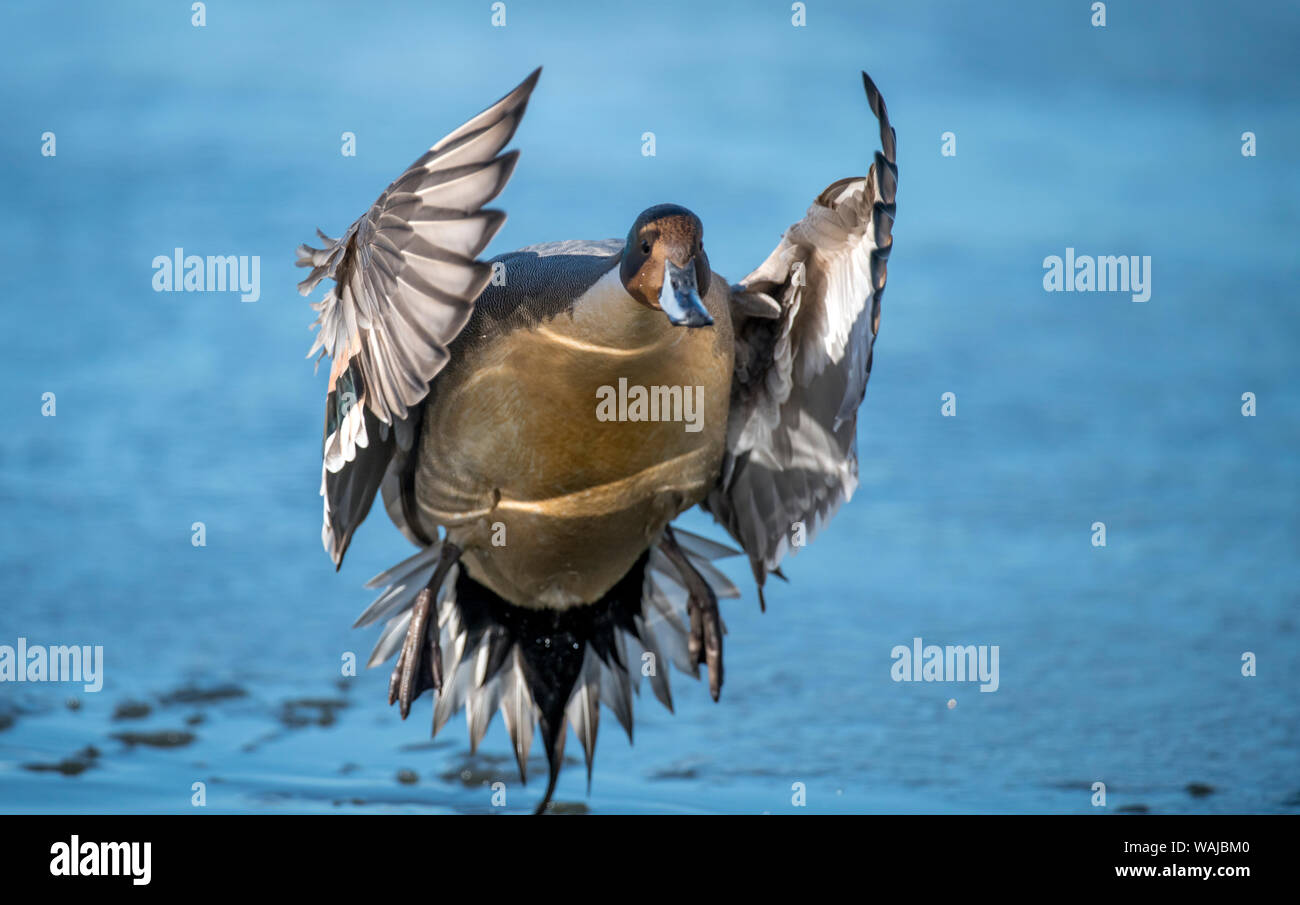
point(1119, 664)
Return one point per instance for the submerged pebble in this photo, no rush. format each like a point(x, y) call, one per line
point(310, 712)
point(131, 710)
point(165, 738)
point(194, 694)
point(69, 766)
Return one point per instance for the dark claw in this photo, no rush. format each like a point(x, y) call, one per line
point(411, 678)
point(713, 645)
point(394, 681)
point(435, 660)
point(705, 644)
point(695, 643)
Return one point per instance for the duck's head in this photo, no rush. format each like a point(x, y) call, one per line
point(664, 265)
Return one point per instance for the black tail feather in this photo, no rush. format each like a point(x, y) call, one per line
point(553, 644)
point(547, 669)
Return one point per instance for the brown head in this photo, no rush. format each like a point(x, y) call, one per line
point(664, 265)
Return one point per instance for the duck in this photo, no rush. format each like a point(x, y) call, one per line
point(535, 422)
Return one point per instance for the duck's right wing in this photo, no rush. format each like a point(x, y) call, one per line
point(806, 322)
point(406, 276)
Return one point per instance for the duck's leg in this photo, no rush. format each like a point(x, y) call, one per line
point(705, 645)
point(411, 678)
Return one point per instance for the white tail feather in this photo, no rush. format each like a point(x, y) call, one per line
point(661, 630)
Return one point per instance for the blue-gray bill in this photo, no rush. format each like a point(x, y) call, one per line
point(680, 297)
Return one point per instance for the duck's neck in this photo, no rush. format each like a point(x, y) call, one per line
point(607, 315)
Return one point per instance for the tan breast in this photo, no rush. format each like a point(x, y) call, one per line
point(531, 459)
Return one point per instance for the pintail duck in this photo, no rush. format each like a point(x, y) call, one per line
point(522, 418)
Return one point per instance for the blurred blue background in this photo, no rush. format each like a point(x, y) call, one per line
point(1119, 664)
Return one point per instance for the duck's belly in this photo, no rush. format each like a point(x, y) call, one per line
point(542, 465)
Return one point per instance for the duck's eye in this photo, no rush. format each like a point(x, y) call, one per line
point(645, 247)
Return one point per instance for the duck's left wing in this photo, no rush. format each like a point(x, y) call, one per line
point(406, 277)
point(806, 321)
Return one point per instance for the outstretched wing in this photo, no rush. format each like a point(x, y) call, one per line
point(806, 321)
point(406, 276)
